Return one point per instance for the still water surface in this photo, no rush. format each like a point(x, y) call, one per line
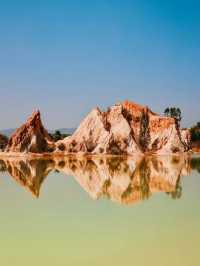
point(100, 211)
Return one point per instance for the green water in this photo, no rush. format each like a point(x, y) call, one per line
point(65, 226)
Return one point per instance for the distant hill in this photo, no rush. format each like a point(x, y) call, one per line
point(8, 132)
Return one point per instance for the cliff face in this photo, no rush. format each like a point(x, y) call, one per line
point(126, 128)
point(155, 133)
point(3, 142)
point(31, 137)
point(101, 132)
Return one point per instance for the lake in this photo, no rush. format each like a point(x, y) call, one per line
point(100, 211)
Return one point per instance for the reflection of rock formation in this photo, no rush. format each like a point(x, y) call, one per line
point(195, 164)
point(125, 180)
point(2, 166)
point(29, 173)
point(122, 179)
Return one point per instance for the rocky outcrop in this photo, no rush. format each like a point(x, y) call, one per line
point(3, 142)
point(101, 133)
point(155, 133)
point(31, 137)
point(126, 128)
point(186, 138)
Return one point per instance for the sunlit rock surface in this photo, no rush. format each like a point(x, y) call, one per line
point(101, 133)
point(126, 128)
point(31, 137)
point(186, 137)
point(153, 132)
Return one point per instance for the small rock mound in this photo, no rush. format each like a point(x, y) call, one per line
point(31, 137)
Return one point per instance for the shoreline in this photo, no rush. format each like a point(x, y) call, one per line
point(88, 155)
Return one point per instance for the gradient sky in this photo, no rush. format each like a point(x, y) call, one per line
point(65, 57)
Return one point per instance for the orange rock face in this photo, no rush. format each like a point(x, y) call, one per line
point(155, 133)
point(31, 137)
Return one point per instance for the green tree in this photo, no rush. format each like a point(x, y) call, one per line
point(57, 135)
point(3, 141)
point(175, 113)
point(195, 132)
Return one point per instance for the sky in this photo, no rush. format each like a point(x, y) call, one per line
point(66, 57)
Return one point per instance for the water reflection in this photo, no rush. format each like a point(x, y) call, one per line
point(122, 180)
point(28, 173)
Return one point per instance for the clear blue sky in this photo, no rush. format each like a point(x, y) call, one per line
point(65, 57)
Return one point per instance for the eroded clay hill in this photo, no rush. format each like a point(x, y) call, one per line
point(126, 128)
point(31, 137)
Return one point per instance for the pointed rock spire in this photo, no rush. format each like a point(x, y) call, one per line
point(31, 137)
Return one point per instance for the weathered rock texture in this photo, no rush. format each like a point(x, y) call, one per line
point(155, 133)
point(3, 142)
point(126, 128)
point(31, 137)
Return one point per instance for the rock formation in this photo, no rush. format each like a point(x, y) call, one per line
point(102, 132)
point(155, 133)
point(31, 137)
point(3, 142)
point(126, 128)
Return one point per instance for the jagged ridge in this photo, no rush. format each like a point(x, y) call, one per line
point(126, 128)
point(31, 137)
